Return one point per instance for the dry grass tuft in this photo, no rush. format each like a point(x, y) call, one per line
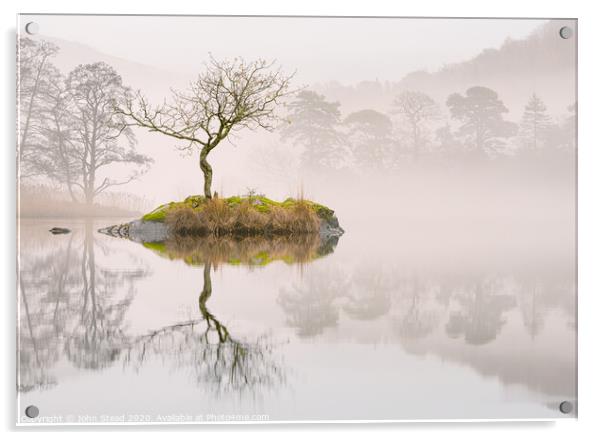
point(184, 220)
point(218, 217)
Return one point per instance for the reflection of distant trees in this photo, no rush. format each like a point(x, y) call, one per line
point(472, 308)
point(69, 305)
point(418, 319)
point(206, 346)
point(369, 294)
point(540, 296)
point(475, 310)
point(310, 306)
point(479, 318)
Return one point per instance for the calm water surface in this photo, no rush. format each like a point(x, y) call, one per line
point(384, 325)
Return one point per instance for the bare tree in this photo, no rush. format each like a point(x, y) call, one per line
point(417, 109)
point(97, 128)
point(229, 95)
point(34, 73)
point(55, 156)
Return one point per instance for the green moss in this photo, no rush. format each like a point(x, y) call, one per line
point(158, 215)
point(194, 201)
point(259, 259)
point(322, 211)
point(157, 246)
point(234, 200)
point(289, 259)
point(260, 203)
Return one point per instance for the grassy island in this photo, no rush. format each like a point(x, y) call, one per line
point(242, 215)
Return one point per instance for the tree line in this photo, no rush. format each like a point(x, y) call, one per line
point(69, 131)
point(76, 129)
point(418, 127)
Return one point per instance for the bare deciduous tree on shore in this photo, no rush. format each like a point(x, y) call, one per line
point(229, 95)
point(55, 158)
point(69, 131)
point(35, 73)
point(417, 109)
point(98, 128)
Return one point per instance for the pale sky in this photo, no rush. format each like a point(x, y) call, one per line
point(321, 49)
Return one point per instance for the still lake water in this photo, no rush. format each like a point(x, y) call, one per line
point(386, 326)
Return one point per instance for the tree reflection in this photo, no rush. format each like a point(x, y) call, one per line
point(418, 319)
point(71, 306)
point(370, 294)
point(540, 295)
point(97, 337)
point(217, 359)
point(480, 316)
point(45, 284)
point(310, 306)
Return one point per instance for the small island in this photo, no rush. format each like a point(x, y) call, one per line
point(232, 217)
point(228, 96)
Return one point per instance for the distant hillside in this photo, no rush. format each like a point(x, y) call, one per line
point(153, 81)
point(542, 63)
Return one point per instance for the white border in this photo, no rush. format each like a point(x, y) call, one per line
point(590, 204)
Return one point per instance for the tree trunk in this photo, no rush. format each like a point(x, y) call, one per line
point(89, 195)
point(207, 171)
point(34, 94)
point(212, 322)
point(206, 293)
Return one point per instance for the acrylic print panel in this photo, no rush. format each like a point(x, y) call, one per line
point(295, 219)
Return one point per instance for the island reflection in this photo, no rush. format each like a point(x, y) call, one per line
point(246, 251)
point(217, 358)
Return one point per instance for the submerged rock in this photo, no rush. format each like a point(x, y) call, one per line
point(57, 230)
